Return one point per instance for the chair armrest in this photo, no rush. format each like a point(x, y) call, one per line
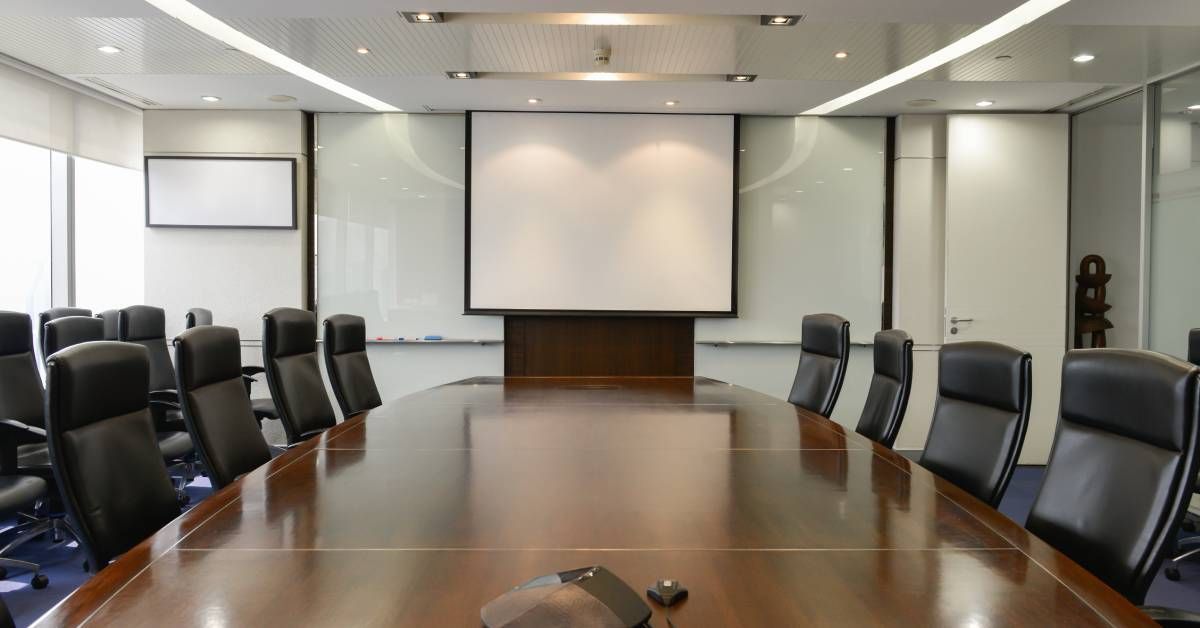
point(164, 395)
point(1172, 617)
point(253, 370)
point(23, 432)
point(248, 380)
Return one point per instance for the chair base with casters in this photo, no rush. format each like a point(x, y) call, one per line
point(1188, 548)
point(17, 489)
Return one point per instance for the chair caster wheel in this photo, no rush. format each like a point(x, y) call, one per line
point(3, 573)
point(39, 581)
point(1172, 573)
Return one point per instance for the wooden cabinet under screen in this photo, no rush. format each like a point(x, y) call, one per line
point(598, 346)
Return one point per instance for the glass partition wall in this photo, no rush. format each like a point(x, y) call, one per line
point(1174, 252)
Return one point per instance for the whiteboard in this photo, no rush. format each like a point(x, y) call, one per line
point(601, 212)
point(811, 227)
point(221, 192)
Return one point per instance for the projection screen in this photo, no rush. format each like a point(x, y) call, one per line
point(600, 212)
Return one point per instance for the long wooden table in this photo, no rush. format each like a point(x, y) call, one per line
point(421, 511)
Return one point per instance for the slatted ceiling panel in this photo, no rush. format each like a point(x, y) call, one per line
point(149, 46)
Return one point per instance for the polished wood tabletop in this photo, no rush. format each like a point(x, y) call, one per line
point(421, 511)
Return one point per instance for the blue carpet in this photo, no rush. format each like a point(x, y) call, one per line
point(64, 563)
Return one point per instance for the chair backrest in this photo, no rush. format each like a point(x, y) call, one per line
point(980, 418)
point(21, 393)
point(347, 365)
point(290, 361)
point(103, 448)
point(61, 333)
point(1194, 347)
point(208, 361)
point(146, 325)
point(60, 312)
point(891, 384)
point(824, 351)
point(197, 317)
point(110, 323)
point(1120, 471)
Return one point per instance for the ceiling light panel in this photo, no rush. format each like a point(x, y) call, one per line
point(193, 16)
point(1005, 24)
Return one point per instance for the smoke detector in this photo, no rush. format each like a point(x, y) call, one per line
point(601, 56)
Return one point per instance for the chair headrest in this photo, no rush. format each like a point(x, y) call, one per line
point(987, 373)
point(893, 349)
point(207, 355)
point(94, 381)
point(69, 331)
point(110, 323)
point(61, 312)
point(345, 333)
point(289, 331)
point(16, 333)
point(825, 334)
point(1138, 394)
point(141, 322)
point(199, 316)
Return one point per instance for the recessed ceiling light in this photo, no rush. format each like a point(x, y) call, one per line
point(741, 78)
point(210, 98)
point(847, 169)
point(403, 189)
point(985, 103)
point(820, 182)
point(423, 17)
point(281, 98)
point(841, 54)
point(1005, 24)
point(779, 20)
point(461, 74)
point(1083, 57)
point(799, 191)
point(383, 178)
point(1195, 107)
point(363, 50)
point(109, 50)
point(534, 101)
point(319, 147)
point(193, 16)
point(671, 103)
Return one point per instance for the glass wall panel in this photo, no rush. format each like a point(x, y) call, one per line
point(25, 223)
point(1106, 214)
point(811, 226)
point(109, 231)
point(390, 224)
point(1174, 306)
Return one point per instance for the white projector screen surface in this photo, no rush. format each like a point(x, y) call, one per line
point(602, 213)
point(199, 192)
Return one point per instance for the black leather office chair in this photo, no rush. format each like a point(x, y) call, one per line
point(1122, 466)
point(102, 440)
point(824, 352)
point(197, 317)
point(110, 318)
point(891, 384)
point(980, 418)
point(264, 408)
point(347, 364)
point(146, 325)
point(290, 359)
point(1190, 547)
point(60, 333)
point(57, 313)
point(209, 367)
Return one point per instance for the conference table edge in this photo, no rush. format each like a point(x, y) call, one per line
point(93, 595)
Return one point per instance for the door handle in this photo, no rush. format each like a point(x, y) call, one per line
point(954, 320)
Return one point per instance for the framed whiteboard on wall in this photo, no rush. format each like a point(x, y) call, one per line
point(221, 192)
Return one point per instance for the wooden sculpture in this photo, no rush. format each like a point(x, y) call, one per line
point(1090, 303)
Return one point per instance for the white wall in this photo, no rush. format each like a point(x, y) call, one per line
point(1106, 200)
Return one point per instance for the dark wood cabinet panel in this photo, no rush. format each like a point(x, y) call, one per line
point(598, 345)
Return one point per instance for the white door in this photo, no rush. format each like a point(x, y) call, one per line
point(1006, 247)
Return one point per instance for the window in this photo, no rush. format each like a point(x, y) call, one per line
point(25, 231)
point(109, 232)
